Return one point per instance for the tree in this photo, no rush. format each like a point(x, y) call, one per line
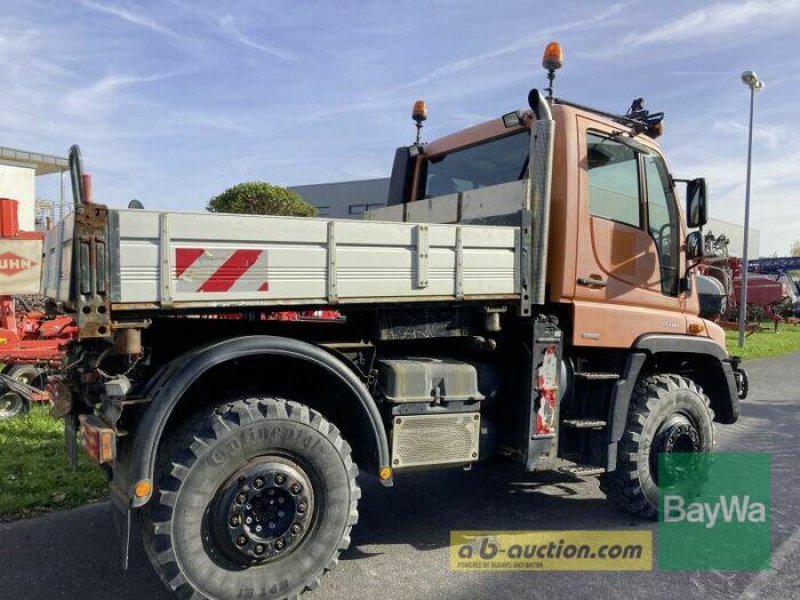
point(261, 198)
point(795, 251)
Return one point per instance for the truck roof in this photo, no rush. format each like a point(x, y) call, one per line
point(496, 128)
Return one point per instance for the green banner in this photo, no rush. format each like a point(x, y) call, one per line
point(714, 511)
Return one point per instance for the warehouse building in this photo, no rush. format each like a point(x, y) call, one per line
point(345, 199)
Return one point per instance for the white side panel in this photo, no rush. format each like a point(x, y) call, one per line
point(57, 260)
point(220, 259)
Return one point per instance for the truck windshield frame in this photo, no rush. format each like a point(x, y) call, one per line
point(489, 162)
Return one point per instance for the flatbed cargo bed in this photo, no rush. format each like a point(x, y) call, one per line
point(184, 261)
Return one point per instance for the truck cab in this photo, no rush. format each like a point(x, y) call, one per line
point(617, 246)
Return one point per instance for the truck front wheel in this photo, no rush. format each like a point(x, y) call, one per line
point(668, 413)
point(255, 499)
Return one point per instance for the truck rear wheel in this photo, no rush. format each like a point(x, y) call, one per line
point(668, 413)
point(255, 499)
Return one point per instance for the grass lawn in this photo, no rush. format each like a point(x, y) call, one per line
point(35, 476)
point(765, 343)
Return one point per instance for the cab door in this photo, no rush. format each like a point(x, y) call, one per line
point(629, 260)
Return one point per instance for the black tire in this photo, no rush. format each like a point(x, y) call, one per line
point(195, 551)
point(13, 405)
point(668, 413)
point(29, 374)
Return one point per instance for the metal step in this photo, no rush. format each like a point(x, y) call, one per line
point(596, 376)
point(583, 470)
point(584, 423)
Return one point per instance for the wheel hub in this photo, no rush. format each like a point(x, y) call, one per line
point(265, 510)
point(677, 435)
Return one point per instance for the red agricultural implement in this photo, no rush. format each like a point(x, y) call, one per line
point(31, 342)
point(771, 294)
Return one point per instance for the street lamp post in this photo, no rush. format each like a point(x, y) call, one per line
point(751, 80)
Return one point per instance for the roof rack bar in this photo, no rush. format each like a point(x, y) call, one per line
point(620, 118)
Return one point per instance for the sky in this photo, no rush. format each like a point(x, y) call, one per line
point(172, 101)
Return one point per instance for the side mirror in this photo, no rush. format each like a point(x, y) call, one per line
point(694, 245)
point(696, 203)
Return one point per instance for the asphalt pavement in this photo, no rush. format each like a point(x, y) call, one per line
point(400, 546)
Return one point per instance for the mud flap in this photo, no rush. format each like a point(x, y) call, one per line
point(543, 409)
point(121, 515)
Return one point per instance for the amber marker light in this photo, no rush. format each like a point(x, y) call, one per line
point(553, 56)
point(420, 111)
point(696, 328)
point(143, 489)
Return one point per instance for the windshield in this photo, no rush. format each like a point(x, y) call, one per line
point(490, 163)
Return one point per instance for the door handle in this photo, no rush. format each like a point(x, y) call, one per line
point(592, 282)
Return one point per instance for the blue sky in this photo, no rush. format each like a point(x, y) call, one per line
point(173, 101)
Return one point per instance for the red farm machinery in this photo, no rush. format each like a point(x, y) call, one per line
point(31, 342)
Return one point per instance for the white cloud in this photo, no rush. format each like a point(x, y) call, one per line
point(719, 18)
point(229, 28)
point(770, 135)
point(131, 17)
point(100, 96)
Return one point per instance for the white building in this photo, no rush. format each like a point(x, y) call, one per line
point(735, 233)
point(18, 172)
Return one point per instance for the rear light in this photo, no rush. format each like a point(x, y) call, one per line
point(97, 439)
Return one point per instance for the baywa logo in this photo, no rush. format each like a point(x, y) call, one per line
point(729, 509)
point(719, 506)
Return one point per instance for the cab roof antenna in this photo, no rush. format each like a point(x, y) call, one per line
point(552, 60)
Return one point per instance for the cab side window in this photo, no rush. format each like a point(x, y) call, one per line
point(613, 181)
point(663, 221)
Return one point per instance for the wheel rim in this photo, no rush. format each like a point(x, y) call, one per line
point(11, 405)
point(677, 435)
point(264, 511)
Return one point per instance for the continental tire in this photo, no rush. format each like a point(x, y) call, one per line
point(255, 498)
point(668, 413)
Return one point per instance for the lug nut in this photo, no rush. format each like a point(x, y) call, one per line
point(281, 513)
point(258, 483)
point(259, 549)
point(248, 520)
point(301, 508)
point(258, 528)
point(281, 500)
point(279, 544)
point(271, 525)
point(296, 488)
point(236, 520)
point(248, 506)
point(296, 528)
point(241, 540)
point(280, 478)
point(241, 498)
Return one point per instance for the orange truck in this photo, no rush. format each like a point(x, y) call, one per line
point(527, 292)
